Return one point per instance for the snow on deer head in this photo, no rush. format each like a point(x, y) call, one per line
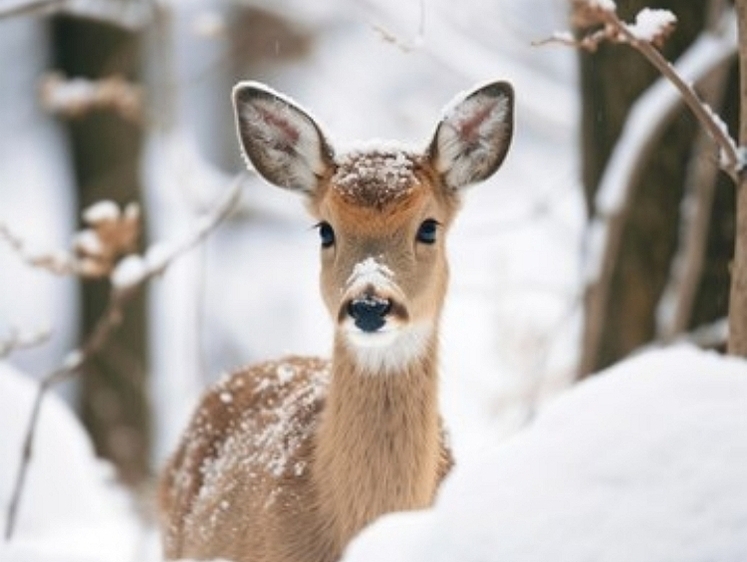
point(382, 211)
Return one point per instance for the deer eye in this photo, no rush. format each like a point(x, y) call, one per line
point(427, 231)
point(326, 234)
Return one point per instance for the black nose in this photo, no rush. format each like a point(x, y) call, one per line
point(369, 312)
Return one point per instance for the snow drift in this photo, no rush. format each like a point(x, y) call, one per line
point(643, 462)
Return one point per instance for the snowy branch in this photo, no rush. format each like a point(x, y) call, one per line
point(95, 250)
point(651, 28)
point(647, 117)
point(74, 97)
point(127, 277)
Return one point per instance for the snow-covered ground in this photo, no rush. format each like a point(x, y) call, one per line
point(639, 464)
point(644, 462)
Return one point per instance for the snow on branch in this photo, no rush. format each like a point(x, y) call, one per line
point(127, 277)
point(599, 23)
point(95, 250)
point(74, 97)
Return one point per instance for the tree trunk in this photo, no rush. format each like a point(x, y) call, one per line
point(612, 79)
point(738, 295)
point(105, 150)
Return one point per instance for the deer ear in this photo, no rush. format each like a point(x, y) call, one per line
point(280, 140)
point(473, 137)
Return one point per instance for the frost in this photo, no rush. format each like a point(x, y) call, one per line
point(129, 272)
point(651, 24)
point(375, 177)
point(102, 211)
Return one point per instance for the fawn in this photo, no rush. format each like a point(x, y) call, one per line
point(286, 461)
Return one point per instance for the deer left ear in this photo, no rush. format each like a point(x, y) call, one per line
point(473, 137)
point(281, 140)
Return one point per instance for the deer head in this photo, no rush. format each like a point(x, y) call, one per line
point(382, 211)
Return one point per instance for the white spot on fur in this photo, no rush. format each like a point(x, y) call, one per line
point(390, 349)
point(370, 272)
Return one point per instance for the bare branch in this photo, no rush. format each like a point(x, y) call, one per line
point(122, 291)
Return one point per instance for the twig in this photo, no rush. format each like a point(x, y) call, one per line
point(122, 291)
point(404, 46)
point(22, 340)
point(57, 263)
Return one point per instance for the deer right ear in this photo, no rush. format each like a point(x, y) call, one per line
point(280, 140)
point(473, 137)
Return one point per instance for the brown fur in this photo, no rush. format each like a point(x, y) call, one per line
point(353, 462)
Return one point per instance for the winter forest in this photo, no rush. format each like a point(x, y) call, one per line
point(592, 344)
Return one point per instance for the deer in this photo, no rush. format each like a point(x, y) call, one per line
point(287, 460)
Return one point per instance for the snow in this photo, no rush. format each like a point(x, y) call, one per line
point(376, 178)
point(130, 271)
point(643, 462)
point(370, 272)
point(71, 509)
point(509, 331)
point(651, 24)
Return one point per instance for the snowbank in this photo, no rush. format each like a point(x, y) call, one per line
point(644, 462)
point(71, 509)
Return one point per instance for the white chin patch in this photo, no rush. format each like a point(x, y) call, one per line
point(388, 350)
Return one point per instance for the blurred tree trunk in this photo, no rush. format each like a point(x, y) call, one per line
point(105, 149)
point(738, 296)
point(612, 79)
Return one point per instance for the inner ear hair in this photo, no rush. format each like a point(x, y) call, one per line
point(281, 140)
point(473, 137)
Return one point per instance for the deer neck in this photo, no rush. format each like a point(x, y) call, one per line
point(378, 445)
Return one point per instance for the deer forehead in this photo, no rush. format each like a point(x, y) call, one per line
point(377, 193)
point(376, 178)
